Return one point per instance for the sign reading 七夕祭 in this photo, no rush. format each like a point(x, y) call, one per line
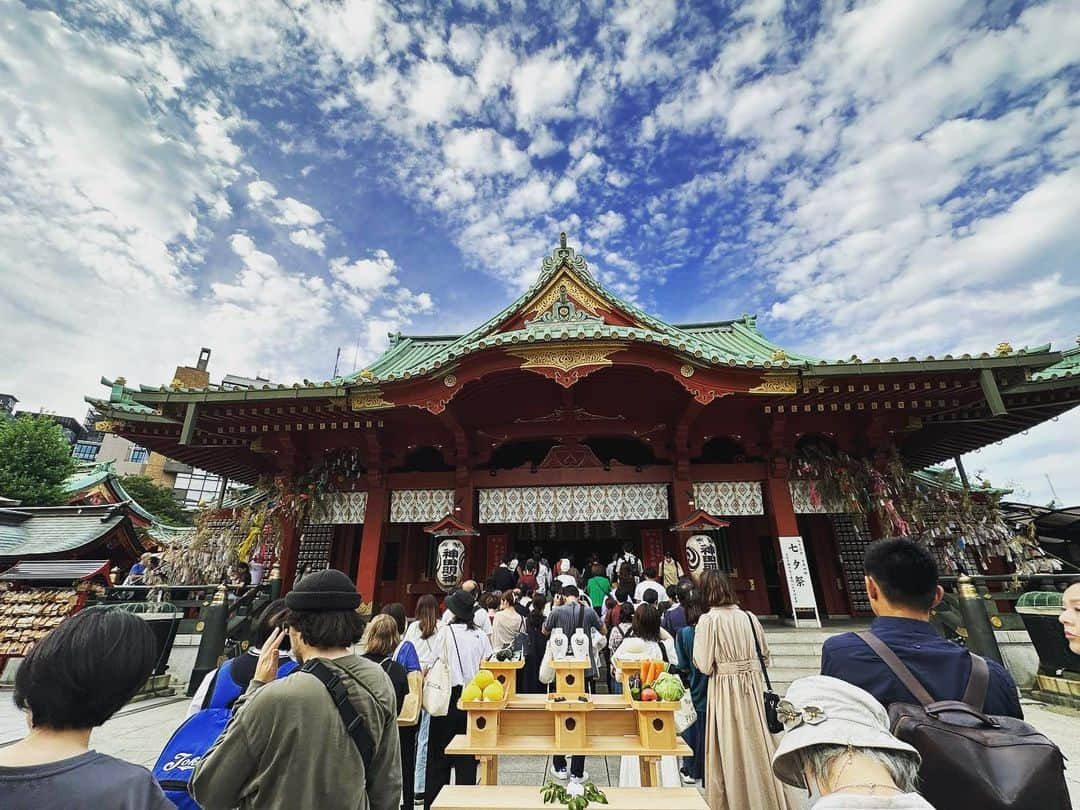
point(800, 587)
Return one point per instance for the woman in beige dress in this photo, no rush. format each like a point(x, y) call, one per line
point(738, 745)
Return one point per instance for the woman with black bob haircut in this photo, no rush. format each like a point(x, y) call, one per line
point(74, 680)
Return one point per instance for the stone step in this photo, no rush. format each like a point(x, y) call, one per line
point(798, 662)
point(785, 648)
point(789, 674)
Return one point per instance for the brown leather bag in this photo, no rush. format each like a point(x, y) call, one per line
point(970, 759)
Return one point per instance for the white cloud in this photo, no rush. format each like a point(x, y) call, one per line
point(606, 225)
point(438, 95)
point(483, 151)
point(543, 86)
point(310, 239)
point(543, 144)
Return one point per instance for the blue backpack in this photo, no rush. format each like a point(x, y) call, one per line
point(184, 750)
point(189, 743)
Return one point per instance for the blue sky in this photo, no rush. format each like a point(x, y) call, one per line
point(278, 179)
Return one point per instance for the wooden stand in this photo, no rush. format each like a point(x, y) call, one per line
point(483, 728)
point(570, 676)
point(656, 722)
point(505, 672)
point(598, 725)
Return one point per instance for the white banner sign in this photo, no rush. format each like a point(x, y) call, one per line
point(800, 586)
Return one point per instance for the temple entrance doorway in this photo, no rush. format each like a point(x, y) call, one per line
point(579, 542)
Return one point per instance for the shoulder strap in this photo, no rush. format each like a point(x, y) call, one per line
point(757, 646)
point(581, 616)
point(453, 637)
point(899, 669)
point(354, 724)
point(975, 694)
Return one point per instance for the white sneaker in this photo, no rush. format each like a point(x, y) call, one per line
point(687, 779)
point(579, 779)
point(559, 773)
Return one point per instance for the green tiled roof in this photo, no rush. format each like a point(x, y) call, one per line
point(42, 530)
point(944, 478)
point(731, 343)
point(1068, 366)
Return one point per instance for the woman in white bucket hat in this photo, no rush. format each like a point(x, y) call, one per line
point(837, 745)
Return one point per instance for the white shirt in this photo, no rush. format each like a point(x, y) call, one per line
point(543, 578)
point(567, 579)
point(480, 618)
point(465, 649)
point(650, 585)
point(427, 649)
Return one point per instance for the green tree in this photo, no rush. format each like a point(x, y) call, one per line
point(155, 499)
point(35, 458)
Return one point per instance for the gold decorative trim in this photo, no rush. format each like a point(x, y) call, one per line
point(777, 384)
point(686, 370)
point(1003, 349)
point(584, 298)
point(449, 380)
point(566, 357)
point(779, 355)
point(110, 426)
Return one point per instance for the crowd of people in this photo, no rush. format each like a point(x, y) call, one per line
point(333, 740)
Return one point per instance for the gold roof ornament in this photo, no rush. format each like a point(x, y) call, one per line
point(1003, 349)
point(779, 355)
point(121, 381)
point(367, 374)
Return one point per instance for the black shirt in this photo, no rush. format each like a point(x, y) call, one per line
point(399, 678)
point(503, 578)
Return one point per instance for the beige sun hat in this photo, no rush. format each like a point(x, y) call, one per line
point(820, 710)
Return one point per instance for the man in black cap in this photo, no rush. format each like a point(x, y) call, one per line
point(287, 745)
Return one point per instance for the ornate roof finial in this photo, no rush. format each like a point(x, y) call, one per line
point(564, 254)
point(1003, 349)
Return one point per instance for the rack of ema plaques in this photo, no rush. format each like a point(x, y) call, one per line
point(567, 721)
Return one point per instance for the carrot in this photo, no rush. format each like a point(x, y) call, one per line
point(650, 674)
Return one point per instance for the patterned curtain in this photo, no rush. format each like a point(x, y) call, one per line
point(340, 507)
point(420, 505)
point(572, 504)
point(729, 498)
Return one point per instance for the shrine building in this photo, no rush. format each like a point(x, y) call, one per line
point(574, 421)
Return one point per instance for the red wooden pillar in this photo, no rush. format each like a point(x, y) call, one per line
point(782, 520)
point(465, 511)
point(290, 552)
point(371, 546)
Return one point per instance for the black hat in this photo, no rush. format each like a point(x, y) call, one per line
point(324, 590)
point(462, 604)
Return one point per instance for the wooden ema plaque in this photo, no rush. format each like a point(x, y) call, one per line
point(505, 672)
point(570, 676)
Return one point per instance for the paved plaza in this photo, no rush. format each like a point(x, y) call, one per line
point(140, 731)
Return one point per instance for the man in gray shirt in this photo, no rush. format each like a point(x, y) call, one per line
point(569, 617)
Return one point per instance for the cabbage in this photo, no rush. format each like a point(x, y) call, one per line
point(668, 687)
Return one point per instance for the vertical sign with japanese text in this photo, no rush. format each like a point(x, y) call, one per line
point(800, 587)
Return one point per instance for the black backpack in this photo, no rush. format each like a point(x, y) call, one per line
point(970, 759)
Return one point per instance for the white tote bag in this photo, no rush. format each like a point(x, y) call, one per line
point(437, 683)
point(686, 714)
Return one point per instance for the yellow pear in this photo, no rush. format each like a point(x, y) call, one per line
point(472, 694)
point(493, 691)
point(483, 678)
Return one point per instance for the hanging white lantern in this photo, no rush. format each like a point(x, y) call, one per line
point(450, 563)
point(701, 554)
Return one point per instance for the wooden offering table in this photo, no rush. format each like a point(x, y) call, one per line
point(569, 722)
point(521, 797)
